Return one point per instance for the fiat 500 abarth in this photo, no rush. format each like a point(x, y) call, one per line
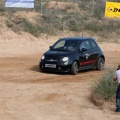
point(72, 55)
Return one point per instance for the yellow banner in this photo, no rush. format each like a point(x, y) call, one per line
point(112, 9)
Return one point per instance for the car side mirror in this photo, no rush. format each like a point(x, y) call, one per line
point(51, 47)
point(83, 49)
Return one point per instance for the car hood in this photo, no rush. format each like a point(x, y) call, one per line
point(58, 53)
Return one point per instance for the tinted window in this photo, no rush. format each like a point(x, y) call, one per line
point(85, 44)
point(93, 44)
point(61, 44)
point(66, 45)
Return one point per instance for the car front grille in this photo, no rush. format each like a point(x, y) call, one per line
point(52, 60)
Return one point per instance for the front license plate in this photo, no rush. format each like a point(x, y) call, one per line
point(50, 65)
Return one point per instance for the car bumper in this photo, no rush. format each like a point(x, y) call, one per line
point(57, 68)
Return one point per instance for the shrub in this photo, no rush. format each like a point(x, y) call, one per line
point(105, 87)
point(30, 28)
point(99, 8)
point(9, 23)
point(2, 9)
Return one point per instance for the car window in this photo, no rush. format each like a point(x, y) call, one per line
point(66, 45)
point(85, 44)
point(71, 45)
point(61, 44)
point(93, 44)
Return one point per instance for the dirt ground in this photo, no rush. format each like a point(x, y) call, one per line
point(27, 94)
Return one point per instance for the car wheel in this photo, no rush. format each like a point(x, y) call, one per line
point(100, 64)
point(74, 68)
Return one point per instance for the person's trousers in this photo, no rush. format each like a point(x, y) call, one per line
point(118, 99)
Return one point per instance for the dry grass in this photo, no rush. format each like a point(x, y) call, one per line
point(58, 17)
point(104, 89)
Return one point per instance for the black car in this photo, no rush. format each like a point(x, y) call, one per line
point(72, 55)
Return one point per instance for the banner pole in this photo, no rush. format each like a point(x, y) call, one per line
point(41, 6)
point(93, 7)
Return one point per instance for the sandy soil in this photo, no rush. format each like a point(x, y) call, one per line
point(27, 94)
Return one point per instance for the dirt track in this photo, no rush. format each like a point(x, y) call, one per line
point(27, 94)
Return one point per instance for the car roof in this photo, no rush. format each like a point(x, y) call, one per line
point(76, 38)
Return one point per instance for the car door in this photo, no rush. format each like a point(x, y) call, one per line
point(94, 51)
point(85, 57)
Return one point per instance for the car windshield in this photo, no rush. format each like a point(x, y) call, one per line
point(66, 45)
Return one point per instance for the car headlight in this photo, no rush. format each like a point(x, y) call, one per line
point(65, 59)
point(43, 57)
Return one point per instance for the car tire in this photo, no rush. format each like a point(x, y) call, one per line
point(100, 64)
point(74, 68)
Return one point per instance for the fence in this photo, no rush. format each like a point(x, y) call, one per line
point(2, 3)
point(40, 5)
point(44, 6)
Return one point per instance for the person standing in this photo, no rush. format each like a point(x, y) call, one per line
point(117, 78)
